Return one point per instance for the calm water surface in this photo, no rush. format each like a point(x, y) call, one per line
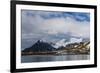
point(46, 58)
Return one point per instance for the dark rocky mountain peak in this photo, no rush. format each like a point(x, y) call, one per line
point(40, 46)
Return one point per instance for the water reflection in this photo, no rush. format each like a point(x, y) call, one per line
point(46, 58)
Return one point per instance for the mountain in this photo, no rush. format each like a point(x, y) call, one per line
point(73, 46)
point(43, 46)
point(59, 43)
point(63, 42)
point(40, 46)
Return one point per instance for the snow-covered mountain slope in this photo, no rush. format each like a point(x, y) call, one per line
point(64, 43)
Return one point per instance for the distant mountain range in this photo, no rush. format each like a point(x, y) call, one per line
point(43, 46)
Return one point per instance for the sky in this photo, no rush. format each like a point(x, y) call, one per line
point(53, 26)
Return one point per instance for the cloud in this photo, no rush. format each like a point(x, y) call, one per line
point(53, 26)
point(61, 25)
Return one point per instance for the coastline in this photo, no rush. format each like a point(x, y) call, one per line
point(55, 54)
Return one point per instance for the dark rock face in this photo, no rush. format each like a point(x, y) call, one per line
point(40, 46)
